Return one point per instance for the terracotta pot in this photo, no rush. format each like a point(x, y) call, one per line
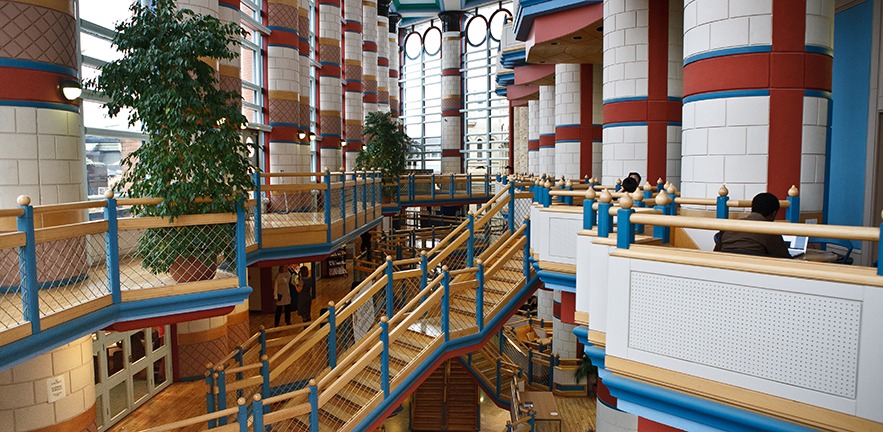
point(191, 269)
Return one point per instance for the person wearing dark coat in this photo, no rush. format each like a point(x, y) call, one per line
point(305, 290)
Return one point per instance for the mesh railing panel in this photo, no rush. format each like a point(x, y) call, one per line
point(71, 271)
point(156, 257)
point(540, 371)
point(423, 188)
point(522, 209)
point(296, 424)
point(250, 238)
point(360, 391)
point(11, 306)
point(302, 208)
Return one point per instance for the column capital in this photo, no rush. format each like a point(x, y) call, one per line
point(394, 19)
point(451, 20)
point(383, 7)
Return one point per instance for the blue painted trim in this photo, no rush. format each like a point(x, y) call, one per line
point(228, 6)
point(695, 409)
point(558, 281)
point(728, 52)
point(819, 50)
point(284, 46)
point(567, 141)
point(284, 29)
point(41, 105)
point(285, 124)
point(526, 13)
point(726, 94)
point(596, 354)
point(36, 65)
point(624, 124)
point(287, 141)
point(547, 134)
point(624, 99)
point(818, 93)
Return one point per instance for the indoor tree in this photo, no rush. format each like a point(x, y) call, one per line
point(193, 157)
point(386, 146)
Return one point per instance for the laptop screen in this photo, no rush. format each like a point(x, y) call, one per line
point(796, 242)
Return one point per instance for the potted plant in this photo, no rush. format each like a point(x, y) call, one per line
point(193, 158)
point(386, 148)
point(586, 371)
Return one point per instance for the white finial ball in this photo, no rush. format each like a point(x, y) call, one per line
point(23, 200)
point(606, 197)
point(626, 201)
point(108, 194)
point(662, 199)
point(793, 192)
point(723, 191)
point(590, 193)
point(637, 196)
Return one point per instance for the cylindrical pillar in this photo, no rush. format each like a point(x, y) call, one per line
point(547, 130)
point(330, 94)
point(353, 81)
point(545, 304)
point(520, 134)
point(382, 41)
point(642, 105)
point(229, 69)
point(303, 158)
point(533, 137)
point(452, 100)
point(369, 56)
point(393, 40)
point(283, 80)
point(42, 154)
point(574, 116)
point(764, 130)
point(597, 119)
point(199, 342)
point(563, 338)
point(55, 391)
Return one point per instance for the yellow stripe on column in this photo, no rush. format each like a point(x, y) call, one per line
point(64, 6)
point(284, 95)
point(292, 3)
point(229, 71)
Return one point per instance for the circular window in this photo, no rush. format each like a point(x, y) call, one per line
point(432, 40)
point(497, 21)
point(413, 45)
point(476, 30)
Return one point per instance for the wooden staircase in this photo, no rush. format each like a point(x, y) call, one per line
point(447, 401)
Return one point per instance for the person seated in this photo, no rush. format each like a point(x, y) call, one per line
point(635, 176)
point(629, 185)
point(764, 207)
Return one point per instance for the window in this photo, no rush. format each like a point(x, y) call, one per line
point(421, 96)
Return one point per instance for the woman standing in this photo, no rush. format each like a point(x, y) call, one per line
point(305, 291)
point(282, 295)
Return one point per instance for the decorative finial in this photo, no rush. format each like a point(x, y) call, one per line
point(618, 181)
point(326, 169)
point(637, 196)
point(312, 382)
point(389, 258)
point(647, 186)
point(590, 193)
point(793, 192)
point(240, 401)
point(257, 397)
point(671, 189)
point(568, 184)
point(23, 200)
point(548, 184)
point(108, 194)
point(723, 191)
point(606, 197)
point(659, 180)
point(331, 304)
point(384, 319)
point(423, 253)
point(444, 268)
point(478, 261)
point(626, 201)
point(527, 217)
point(662, 199)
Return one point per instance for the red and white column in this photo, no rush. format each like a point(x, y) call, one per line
point(452, 99)
point(382, 56)
point(393, 40)
point(330, 94)
point(369, 56)
point(642, 89)
point(757, 81)
point(533, 137)
point(283, 80)
point(352, 85)
point(547, 130)
point(304, 156)
point(574, 116)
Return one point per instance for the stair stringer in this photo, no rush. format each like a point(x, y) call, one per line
point(450, 349)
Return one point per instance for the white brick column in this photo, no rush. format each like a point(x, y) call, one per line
point(452, 99)
point(533, 137)
point(352, 73)
point(520, 134)
point(597, 119)
point(547, 130)
point(567, 120)
point(330, 93)
point(283, 79)
point(369, 56)
point(383, 60)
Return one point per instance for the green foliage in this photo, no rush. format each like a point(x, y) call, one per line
point(193, 149)
point(585, 369)
point(386, 146)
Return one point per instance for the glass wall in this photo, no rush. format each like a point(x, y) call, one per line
point(421, 95)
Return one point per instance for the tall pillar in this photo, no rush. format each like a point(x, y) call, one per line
point(393, 39)
point(353, 81)
point(533, 137)
point(27, 404)
point(545, 304)
point(452, 99)
point(597, 120)
point(229, 69)
point(547, 130)
point(369, 56)
point(382, 55)
point(642, 105)
point(574, 115)
point(330, 94)
point(41, 144)
point(304, 155)
point(762, 130)
point(283, 81)
point(520, 134)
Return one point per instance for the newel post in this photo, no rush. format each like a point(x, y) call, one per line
point(27, 266)
point(112, 247)
point(723, 212)
point(793, 212)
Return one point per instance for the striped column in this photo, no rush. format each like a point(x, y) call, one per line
point(574, 114)
point(547, 130)
point(533, 137)
point(41, 149)
point(394, 91)
point(597, 120)
point(330, 94)
point(452, 99)
point(382, 40)
point(304, 156)
point(352, 86)
point(229, 70)
point(520, 124)
point(283, 80)
point(369, 56)
point(641, 89)
point(757, 81)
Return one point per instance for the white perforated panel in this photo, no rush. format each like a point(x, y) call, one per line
point(803, 340)
point(562, 237)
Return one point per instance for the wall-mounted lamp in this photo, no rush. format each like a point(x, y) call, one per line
point(343, 143)
point(70, 89)
point(301, 134)
point(312, 136)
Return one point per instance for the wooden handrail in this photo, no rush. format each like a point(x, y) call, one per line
point(71, 206)
point(760, 227)
point(193, 421)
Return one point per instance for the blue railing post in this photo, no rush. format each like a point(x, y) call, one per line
point(257, 413)
point(487, 184)
point(659, 231)
point(547, 197)
point(469, 185)
point(660, 185)
point(793, 212)
point(343, 201)
point(355, 200)
point(423, 270)
point(27, 266)
point(880, 251)
point(327, 202)
point(389, 288)
point(470, 242)
point(263, 340)
point(239, 375)
point(209, 395)
point(241, 272)
point(588, 208)
point(672, 193)
point(638, 200)
point(365, 195)
point(625, 232)
point(446, 304)
point(534, 187)
point(510, 219)
point(257, 210)
point(568, 186)
point(314, 406)
point(551, 371)
point(332, 336)
point(112, 247)
point(500, 179)
point(530, 367)
point(605, 221)
point(384, 356)
point(499, 365)
point(479, 296)
point(723, 212)
point(452, 186)
point(432, 186)
point(242, 415)
point(221, 379)
point(265, 378)
point(526, 259)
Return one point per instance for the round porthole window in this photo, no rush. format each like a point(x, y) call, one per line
point(413, 45)
point(432, 41)
point(476, 30)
